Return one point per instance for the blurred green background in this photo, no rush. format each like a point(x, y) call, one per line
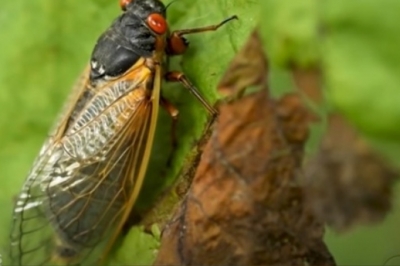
point(45, 45)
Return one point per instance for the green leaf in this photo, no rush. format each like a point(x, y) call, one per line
point(290, 31)
point(138, 248)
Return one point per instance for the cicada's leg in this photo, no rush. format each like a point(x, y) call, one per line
point(174, 113)
point(176, 76)
point(177, 44)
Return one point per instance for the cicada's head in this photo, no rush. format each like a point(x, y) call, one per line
point(152, 12)
point(140, 31)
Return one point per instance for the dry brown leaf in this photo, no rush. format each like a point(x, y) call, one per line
point(309, 83)
point(244, 206)
point(346, 182)
point(248, 68)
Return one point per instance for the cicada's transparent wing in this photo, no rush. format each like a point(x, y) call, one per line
point(28, 204)
point(84, 184)
point(77, 93)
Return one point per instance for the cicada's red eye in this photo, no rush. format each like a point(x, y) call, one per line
point(157, 23)
point(124, 3)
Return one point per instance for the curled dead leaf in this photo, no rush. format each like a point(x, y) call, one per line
point(248, 68)
point(244, 206)
point(346, 182)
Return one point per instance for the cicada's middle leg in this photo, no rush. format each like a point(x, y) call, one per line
point(174, 113)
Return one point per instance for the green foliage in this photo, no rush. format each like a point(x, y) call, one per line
point(356, 44)
point(46, 44)
point(138, 248)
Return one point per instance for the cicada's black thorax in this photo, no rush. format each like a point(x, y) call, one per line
point(125, 41)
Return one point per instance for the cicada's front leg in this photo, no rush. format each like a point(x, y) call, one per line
point(177, 44)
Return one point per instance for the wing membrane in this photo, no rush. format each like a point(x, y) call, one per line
point(86, 179)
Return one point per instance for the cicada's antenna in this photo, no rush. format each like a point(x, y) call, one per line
point(169, 4)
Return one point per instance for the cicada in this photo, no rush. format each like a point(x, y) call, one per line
point(90, 170)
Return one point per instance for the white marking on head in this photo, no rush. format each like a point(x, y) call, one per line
point(102, 70)
point(94, 64)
